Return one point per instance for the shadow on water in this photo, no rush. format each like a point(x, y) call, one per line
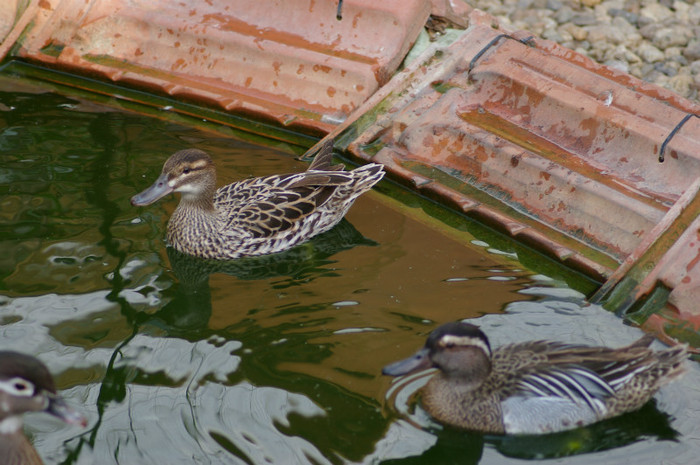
point(646, 423)
point(105, 129)
point(190, 308)
point(455, 446)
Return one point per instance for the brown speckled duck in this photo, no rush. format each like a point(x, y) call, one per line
point(535, 387)
point(26, 386)
point(255, 216)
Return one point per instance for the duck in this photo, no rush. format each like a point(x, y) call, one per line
point(535, 387)
point(256, 216)
point(27, 386)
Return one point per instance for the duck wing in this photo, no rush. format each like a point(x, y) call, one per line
point(580, 374)
point(268, 206)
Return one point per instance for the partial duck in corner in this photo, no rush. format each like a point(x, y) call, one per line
point(255, 216)
point(26, 386)
point(534, 387)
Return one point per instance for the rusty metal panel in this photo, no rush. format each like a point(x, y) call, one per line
point(289, 60)
point(549, 134)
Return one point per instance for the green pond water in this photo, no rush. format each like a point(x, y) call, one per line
point(271, 360)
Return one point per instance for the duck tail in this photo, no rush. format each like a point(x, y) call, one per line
point(671, 362)
point(367, 176)
point(324, 158)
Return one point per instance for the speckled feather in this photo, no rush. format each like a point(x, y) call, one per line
point(526, 383)
point(261, 215)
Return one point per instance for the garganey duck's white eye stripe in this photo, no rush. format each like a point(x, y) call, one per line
point(464, 341)
point(198, 165)
point(17, 387)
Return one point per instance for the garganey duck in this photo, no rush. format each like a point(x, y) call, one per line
point(255, 216)
point(26, 386)
point(534, 387)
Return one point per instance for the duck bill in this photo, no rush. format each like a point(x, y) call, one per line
point(159, 189)
point(418, 361)
point(59, 408)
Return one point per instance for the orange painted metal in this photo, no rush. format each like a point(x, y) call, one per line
point(549, 147)
point(287, 60)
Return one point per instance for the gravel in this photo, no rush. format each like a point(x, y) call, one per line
point(657, 41)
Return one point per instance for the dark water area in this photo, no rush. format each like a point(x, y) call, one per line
point(277, 359)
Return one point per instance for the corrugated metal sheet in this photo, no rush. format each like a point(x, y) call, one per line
point(289, 60)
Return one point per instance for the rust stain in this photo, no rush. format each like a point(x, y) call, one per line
point(276, 65)
point(331, 91)
point(692, 263)
point(356, 19)
point(46, 5)
point(179, 64)
point(322, 68)
point(232, 24)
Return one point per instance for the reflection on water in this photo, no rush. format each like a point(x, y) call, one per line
point(266, 360)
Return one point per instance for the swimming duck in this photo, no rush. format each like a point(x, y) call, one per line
point(534, 387)
point(255, 216)
point(26, 386)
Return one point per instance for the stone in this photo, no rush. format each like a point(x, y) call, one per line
point(576, 32)
point(694, 15)
point(584, 19)
point(649, 53)
point(655, 12)
point(692, 50)
point(606, 33)
point(694, 67)
point(682, 84)
point(618, 65)
point(671, 36)
point(564, 15)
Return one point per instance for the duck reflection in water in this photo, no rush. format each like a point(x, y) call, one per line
point(191, 308)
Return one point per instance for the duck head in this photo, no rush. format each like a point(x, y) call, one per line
point(190, 172)
point(27, 386)
point(458, 350)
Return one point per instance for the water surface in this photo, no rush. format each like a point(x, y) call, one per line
point(270, 360)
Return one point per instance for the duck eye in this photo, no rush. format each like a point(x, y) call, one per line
point(186, 171)
point(18, 387)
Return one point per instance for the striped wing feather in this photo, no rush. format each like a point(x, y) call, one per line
point(579, 373)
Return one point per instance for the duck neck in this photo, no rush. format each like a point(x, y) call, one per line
point(201, 199)
point(11, 425)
